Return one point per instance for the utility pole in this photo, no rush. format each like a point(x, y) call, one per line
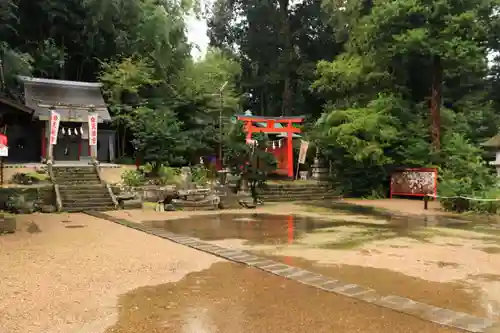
point(221, 96)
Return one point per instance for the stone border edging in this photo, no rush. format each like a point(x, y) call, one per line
point(423, 311)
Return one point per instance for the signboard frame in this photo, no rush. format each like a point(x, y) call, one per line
point(414, 170)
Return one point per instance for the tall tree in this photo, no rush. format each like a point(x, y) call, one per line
point(443, 41)
point(277, 44)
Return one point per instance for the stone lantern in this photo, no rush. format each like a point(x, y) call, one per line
point(493, 147)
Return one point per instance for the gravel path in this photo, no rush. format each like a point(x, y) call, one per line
point(65, 272)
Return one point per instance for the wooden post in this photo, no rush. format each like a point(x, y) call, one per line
point(290, 150)
point(50, 152)
point(1, 167)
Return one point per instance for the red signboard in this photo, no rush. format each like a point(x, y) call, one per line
point(414, 182)
point(92, 129)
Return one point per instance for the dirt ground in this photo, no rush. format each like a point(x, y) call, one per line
point(64, 273)
point(114, 175)
point(401, 206)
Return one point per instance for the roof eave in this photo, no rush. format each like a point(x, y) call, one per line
point(60, 83)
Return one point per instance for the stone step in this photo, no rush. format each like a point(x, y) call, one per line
point(76, 172)
point(95, 198)
point(76, 175)
point(88, 208)
point(292, 192)
point(83, 193)
point(299, 198)
point(85, 168)
point(85, 203)
point(79, 182)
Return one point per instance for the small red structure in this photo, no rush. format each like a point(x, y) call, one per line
point(284, 157)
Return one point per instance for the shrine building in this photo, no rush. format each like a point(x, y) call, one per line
point(26, 122)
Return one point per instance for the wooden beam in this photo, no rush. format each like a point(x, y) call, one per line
point(276, 130)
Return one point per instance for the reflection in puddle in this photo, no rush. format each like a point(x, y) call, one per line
point(234, 298)
point(345, 233)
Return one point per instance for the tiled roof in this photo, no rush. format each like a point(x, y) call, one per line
point(72, 100)
point(493, 142)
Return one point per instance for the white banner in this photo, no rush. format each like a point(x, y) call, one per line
point(4, 151)
point(55, 119)
point(93, 129)
point(304, 145)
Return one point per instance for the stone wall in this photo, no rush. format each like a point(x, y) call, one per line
point(151, 193)
point(41, 195)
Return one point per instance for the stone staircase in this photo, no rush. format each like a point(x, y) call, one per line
point(80, 189)
point(297, 192)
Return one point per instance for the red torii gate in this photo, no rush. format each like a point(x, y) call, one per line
point(250, 128)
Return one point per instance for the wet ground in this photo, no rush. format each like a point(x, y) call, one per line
point(235, 298)
point(320, 244)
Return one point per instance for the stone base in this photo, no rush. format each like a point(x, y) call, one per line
point(130, 204)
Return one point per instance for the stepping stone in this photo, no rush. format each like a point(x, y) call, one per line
point(472, 324)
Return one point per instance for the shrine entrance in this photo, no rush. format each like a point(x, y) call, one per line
point(274, 125)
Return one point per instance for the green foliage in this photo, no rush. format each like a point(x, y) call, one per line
point(465, 173)
point(158, 137)
point(133, 178)
point(126, 76)
point(169, 175)
point(29, 178)
point(199, 175)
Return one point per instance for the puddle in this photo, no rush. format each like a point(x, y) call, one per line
point(347, 232)
point(293, 239)
point(236, 298)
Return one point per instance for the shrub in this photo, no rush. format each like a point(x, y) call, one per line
point(169, 175)
point(465, 174)
point(29, 178)
point(133, 178)
point(199, 175)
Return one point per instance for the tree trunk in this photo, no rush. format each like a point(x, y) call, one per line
point(436, 96)
point(124, 138)
point(288, 51)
